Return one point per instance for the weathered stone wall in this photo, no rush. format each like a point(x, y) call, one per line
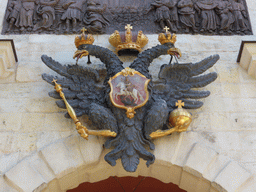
point(40, 149)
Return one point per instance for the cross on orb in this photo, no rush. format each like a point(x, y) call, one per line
point(128, 27)
point(83, 30)
point(180, 104)
point(166, 29)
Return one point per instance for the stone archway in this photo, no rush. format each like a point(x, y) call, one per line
point(68, 162)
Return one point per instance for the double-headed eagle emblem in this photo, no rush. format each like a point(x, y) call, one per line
point(124, 103)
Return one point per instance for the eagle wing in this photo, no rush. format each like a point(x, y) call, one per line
point(176, 82)
point(84, 90)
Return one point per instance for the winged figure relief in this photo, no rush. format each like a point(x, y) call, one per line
point(89, 92)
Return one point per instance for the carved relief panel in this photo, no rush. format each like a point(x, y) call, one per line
point(214, 17)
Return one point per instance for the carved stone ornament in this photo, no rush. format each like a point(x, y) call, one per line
point(125, 104)
point(214, 17)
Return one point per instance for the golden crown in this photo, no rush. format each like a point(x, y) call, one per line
point(167, 37)
point(128, 40)
point(84, 38)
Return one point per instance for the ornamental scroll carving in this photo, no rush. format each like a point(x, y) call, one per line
point(210, 17)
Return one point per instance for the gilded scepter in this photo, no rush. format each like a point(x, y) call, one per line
point(82, 130)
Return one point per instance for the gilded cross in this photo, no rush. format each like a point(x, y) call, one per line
point(166, 29)
point(180, 104)
point(57, 86)
point(128, 27)
point(54, 81)
point(83, 30)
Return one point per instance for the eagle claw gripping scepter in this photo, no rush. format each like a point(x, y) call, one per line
point(82, 130)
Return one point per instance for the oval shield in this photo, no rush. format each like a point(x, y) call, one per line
point(129, 90)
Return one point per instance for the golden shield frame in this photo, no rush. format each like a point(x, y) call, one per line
point(130, 110)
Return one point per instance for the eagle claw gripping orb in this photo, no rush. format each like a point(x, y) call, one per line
point(124, 104)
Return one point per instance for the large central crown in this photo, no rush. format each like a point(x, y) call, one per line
point(128, 42)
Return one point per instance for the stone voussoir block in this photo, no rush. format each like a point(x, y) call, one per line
point(38, 163)
point(5, 187)
point(212, 189)
point(231, 177)
point(91, 149)
point(25, 178)
point(199, 159)
point(165, 148)
point(249, 185)
point(166, 174)
point(101, 172)
point(63, 157)
point(8, 161)
point(192, 183)
point(215, 167)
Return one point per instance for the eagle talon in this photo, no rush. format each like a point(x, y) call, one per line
point(161, 133)
point(83, 133)
point(104, 133)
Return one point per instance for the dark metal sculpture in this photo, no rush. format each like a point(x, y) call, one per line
point(126, 102)
point(214, 17)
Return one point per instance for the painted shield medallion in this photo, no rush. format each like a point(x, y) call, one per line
point(129, 90)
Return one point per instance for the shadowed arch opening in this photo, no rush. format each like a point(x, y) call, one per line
point(127, 184)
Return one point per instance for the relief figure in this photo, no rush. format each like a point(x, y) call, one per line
point(187, 15)
point(94, 16)
point(59, 11)
point(14, 9)
point(240, 15)
point(208, 16)
point(162, 13)
point(73, 13)
point(174, 15)
point(226, 17)
point(47, 12)
point(27, 15)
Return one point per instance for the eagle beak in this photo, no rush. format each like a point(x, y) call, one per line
point(174, 51)
point(80, 53)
